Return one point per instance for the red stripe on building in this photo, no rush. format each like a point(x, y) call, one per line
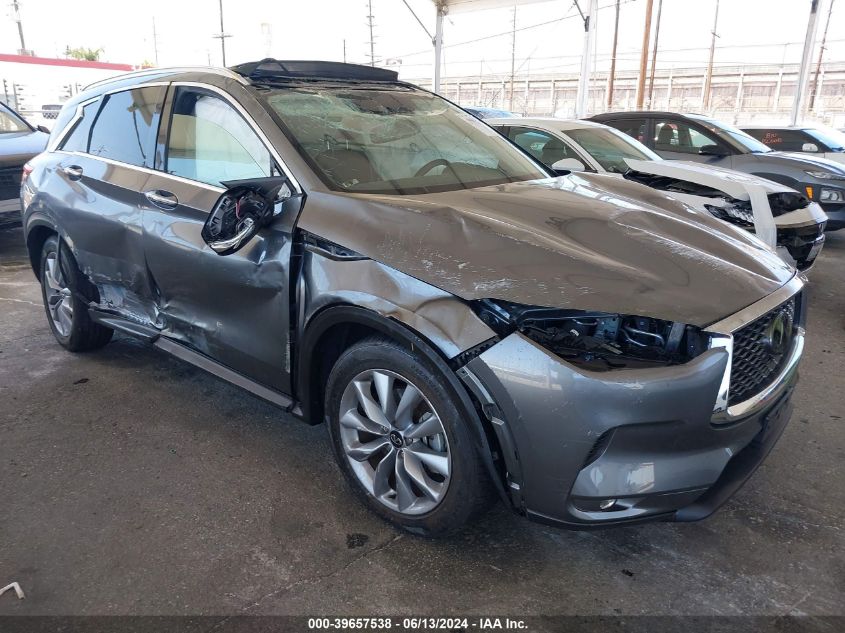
point(74, 63)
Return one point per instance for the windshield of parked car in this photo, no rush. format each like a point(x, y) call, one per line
point(10, 122)
point(394, 140)
point(734, 136)
point(834, 139)
point(610, 147)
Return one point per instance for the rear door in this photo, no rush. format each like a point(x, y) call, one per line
point(103, 165)
point(233, 308)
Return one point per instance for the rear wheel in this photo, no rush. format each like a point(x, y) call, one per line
point(400, 439)
point(67, 312)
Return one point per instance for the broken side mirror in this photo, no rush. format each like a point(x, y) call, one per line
point(245, 207)
point(809, 147)
point(567, 165)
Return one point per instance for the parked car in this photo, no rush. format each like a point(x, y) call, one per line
point(362, 252)
point(50, 110)
point(489, 113)
point(19, 142)
point(817, 141)
point(705, 140)
point(784, 218)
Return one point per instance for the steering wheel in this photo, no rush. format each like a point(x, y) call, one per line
point(432, 164)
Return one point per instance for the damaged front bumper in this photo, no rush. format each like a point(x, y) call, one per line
point(585, 449)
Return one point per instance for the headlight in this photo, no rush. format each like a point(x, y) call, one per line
point(825, 175)
point(599, 341)
point(831, 195)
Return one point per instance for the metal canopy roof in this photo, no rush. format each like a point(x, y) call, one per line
point(464, 6)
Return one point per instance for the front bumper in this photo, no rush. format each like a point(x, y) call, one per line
point(835, 216)
point(800, 245)
point(585, 449)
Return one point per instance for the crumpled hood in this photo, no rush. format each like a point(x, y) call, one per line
point(584, 241)
point(18, 147)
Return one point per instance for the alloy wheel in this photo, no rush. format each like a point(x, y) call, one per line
point(394, 441)
point(59, 297)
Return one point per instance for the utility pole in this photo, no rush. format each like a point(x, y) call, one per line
point(372, 40)
point(612, 74)
point(344, 50)
point(804, 70)
point(16, 8)
point(654, 55)
point(155, 41)
point(644, 54)
point(708, 77)
point(584, 77)
point(222, 36)
point(812, 103)
point(513, 58)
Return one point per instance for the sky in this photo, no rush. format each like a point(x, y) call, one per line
point(750, 32)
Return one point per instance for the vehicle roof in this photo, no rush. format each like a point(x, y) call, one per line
point(776, 127)
point(639, 113)
point(264, 71)
point(547, 121)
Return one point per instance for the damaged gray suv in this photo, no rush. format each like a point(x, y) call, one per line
point(362, 252)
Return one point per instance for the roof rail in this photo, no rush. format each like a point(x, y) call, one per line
point(225, 72)
point(301, 69)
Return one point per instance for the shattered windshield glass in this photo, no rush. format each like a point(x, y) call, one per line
point(395, 140)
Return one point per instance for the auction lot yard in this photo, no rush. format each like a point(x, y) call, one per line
point(133, 483)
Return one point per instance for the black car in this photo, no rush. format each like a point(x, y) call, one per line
point(364, 253)
point(705, 140)
point(19, 142)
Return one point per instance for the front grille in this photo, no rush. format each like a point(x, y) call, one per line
point(760, 350)
point(10, 182)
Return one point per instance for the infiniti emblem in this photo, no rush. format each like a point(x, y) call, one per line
point(777, 334)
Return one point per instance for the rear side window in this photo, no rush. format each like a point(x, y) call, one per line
point(783, 140)
point(211, 142)
point(77, 140)
point(126, 127)
point(541, 145)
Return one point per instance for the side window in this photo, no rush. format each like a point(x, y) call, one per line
point(126, 127)
point(783, 140)
point(541, 145)
point(677, 136)
point(210, 141)
point(635, 128)
point(77, 140)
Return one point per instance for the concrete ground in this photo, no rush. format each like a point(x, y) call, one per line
point(132, 483)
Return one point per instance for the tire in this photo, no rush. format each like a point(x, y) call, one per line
point(409, 456)
point(67, 311)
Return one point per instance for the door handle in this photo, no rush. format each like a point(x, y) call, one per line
point(162, 199)
point(73, 172)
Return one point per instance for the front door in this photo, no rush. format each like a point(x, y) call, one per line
point(233, 308)
point(675, 139)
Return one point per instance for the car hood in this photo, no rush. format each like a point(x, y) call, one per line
point(18, 147)
point(806, 162)
point(583, 241)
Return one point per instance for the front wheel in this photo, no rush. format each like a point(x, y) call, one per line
point(401, 440)
point(67, 313)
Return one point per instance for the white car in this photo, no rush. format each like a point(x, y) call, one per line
point(816, 140)
point(783, 218)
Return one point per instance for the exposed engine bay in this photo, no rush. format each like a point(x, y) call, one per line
point(598, 341)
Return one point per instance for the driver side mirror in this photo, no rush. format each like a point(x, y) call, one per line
point(809, 147)
point(568, 165)
point(238, 214)
point(43, 128)
point(712, 150)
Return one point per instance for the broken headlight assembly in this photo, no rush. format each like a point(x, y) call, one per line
point(597, 341)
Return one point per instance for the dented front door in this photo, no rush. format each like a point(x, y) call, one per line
point(232, 308)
